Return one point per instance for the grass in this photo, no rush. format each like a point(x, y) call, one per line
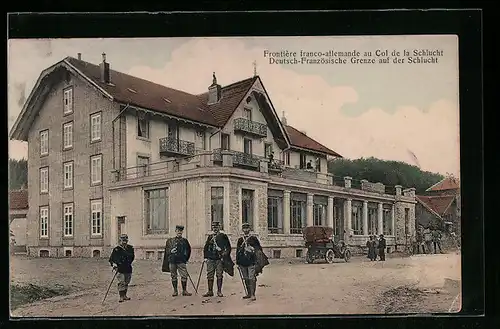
point(25, 294)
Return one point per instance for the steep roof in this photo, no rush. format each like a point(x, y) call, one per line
point(18, 200)
point(438, 204)
point(299, 139)
point(447, 183)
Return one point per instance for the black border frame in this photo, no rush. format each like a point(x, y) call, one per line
point(466, 23)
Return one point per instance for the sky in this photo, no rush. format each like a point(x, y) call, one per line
point(403, 112)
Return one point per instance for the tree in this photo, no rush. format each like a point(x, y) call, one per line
point(18, 174)
point(389, 173)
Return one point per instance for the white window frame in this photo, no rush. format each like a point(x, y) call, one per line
point(68, 135)
point(96, 217)
point(44, 222)
point(95, 127)
point(68, 100)
point(44, 180)
point(44, 142)
point(96, 173)
point(68, 219)
point(68, 181)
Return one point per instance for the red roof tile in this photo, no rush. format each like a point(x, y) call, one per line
point(301, 140)
point(18, 200)
point(448, 183)
point(437, 203)
point(148, 94)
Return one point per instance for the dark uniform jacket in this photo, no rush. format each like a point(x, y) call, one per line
point(180, 251)
point(123, 258)
point(381, 243)
point(245, 257)
point(210, 251)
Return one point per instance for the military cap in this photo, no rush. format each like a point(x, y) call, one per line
point(179, 227)
point(245, 225)
point(215, 223)
point(381, 235)
point(123, 237)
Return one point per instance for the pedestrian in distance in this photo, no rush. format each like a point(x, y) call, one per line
point(381, 247)
point(371, 244)
point(436, 239)
point(177, 254)
point(121, 259)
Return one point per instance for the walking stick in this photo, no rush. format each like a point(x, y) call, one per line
point(242, 281)
point(199, 277)
point(189, 276)
point(107, 291)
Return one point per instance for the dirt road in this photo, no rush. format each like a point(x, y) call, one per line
point(428, 283)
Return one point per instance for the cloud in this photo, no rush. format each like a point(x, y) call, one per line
point(312, 105)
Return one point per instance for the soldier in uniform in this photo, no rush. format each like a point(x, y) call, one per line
point(177, 254)
point(381, 247)
point(217, 250)
point(121, 259)
point(246, 259)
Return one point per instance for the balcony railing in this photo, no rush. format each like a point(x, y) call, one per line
point(173, 146)
point(250, 127)
point(239, 158)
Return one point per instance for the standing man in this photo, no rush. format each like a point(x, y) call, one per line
point(121, 259)
point(428, 240)
point(246, 260)
point(371, 244)
point(177, 254)
point(436, 239)
point(381, 247)
point(216, 252)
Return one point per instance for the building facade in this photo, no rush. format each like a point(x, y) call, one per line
point(18, 211)
point(111, 153)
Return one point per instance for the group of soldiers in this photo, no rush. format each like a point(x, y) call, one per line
point(376, 247)
point(250, 260)
point(426, 239)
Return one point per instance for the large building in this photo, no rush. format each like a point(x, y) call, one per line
point(110, 153)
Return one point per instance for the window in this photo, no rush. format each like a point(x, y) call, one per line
point(338, 213)
point(224, 141)
point(247, 207)
point(268, 149)
point(372, 220)
point(68, 100)
point(173, 131)
point(44, 222)
point(95, 127)
point(96, 217)
point(96, 169)
point(68, 219)
point(44, 180)
point(68, 135)
point(275, 211)
point(156, 207)
point(247, 146)
point(142, 126)
point(217, 205)
point(298, 207)
point(387, 221)
point(318, 164)
point(302, 161)
point(247, 114)
point(142, 166)
point(44, 142)
point(286, 158)
point(320, 203)
point(357, 218)
point(96, 253)
point(68, 175)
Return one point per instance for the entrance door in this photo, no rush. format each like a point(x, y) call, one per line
point(122, 228)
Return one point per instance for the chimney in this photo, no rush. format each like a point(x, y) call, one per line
point(79, 56)
point(104, 69)
point(283, 118)
point(214, 91)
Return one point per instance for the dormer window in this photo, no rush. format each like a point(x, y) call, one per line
point(247, 114)
point(68, 100)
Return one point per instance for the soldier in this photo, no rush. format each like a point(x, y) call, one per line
point(436, 239)
point(381, 248)
point(121, 259)
point(177, 254)
point(217, 252)
point(246, 260)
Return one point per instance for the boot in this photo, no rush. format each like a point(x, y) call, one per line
point(125, 297)
point(174, 285)
point(122, 296)
point(219, 288)
point(247, 285)
point(253, 284)
point(184, 289)
point(210, 292)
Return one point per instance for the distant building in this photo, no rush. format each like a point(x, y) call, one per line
point(440, 205)
point(18, 211)
point(110, 153)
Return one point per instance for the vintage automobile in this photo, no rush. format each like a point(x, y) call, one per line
point(319, 241)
